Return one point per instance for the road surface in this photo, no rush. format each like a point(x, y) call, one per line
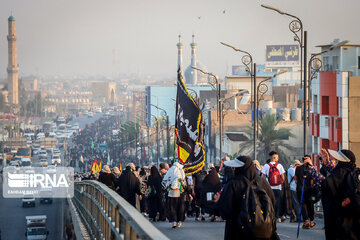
point(207, 230)
point(12, 214)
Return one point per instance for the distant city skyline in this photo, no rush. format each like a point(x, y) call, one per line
point(112, 37)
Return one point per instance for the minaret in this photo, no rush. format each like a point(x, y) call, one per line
point(13, 68)
point(193, 61)
point(180, 47)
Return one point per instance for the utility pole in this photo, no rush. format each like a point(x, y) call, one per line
point(148, 142)
point(255, 110)
point(168, 138)
point(220, 121)
point(157, 143)
point(305, 92)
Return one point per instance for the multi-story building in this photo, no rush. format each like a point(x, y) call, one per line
point(334, 121)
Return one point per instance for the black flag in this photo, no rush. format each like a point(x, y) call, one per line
point(189, 130)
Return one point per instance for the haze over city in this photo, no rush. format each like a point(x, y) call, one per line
point(123, 37)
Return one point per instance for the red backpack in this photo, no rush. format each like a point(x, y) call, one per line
point(274, 175)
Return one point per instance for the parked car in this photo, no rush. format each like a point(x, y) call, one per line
point(28, 201)
point(25, 162)
point(44, 162)
point(42, 154)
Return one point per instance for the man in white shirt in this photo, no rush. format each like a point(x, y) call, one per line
point(274, 158)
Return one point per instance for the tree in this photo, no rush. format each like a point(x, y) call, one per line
point(269, 139)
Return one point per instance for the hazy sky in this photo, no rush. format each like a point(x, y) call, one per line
point(71, 37)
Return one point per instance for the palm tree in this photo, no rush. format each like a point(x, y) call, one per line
point(269, 139)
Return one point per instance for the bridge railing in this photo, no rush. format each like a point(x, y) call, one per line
point(107, 215)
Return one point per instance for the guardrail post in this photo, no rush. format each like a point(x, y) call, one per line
point(109, 216)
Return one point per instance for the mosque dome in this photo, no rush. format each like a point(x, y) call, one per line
point(201, 78)
point(11, 19)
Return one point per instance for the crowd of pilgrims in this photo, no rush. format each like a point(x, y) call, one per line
point(164, 193)
point(167, 193)
point(216, 194)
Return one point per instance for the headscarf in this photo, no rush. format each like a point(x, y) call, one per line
point(247, 170)
point(155, 179)
point(174, 173)
point(106, 169)
point(116, 171)
point(211, 182)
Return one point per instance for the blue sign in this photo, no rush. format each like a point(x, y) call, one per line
point(282, 53)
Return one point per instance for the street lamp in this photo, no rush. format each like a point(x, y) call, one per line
point(250, 66)
point(214, 82)
point(157, 136)
point(223, 107)
point(262, 88)
point(296, 26)
point(164, 114)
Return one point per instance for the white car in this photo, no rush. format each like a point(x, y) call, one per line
point(36, 150)
point(25, 162)
point(28, 201)
point(52, 134)
point(44, 162)
point(42, 154)
point(56, 152)
point(76, 126)
point(51, 169)
point(14, 164)
point(40, 135)
point(56, 160)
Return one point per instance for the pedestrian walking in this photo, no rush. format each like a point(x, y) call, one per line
point(292, 183)
point(198, 189)
point(340, 195)
point(258, 167)
point(129, 185)
point(235, 203)
point(154, 193)
point(275, 175)
point(211, 186)
point(174, 182)
point(301, 173)
point(107, 177)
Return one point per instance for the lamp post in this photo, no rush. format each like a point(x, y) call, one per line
point(225, 105)
point(296, 26)
point(261, 89)
point(164, 113)
point(157, 137)
point(214, 82)
point(250, 67)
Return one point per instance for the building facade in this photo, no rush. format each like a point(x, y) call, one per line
point(335, 96)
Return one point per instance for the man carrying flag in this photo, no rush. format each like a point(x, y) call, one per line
point(189, 130)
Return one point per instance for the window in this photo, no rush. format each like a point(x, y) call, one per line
point(316, 144)
point(326, 121)
point(336, 62)
point(326, 63)
point(340, 106)
point(324, 105)
point(358, 62)
point(315, 105)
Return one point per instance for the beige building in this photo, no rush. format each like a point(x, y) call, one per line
point(104, 92)
point(13, 68)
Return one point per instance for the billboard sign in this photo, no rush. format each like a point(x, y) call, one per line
point(282, 55)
